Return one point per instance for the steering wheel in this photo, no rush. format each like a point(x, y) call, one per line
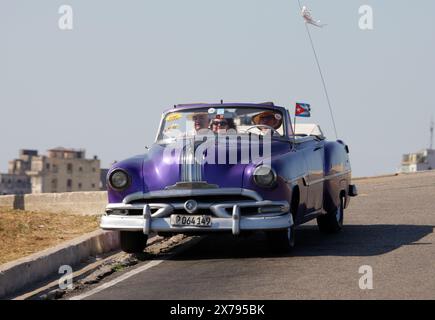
point(262, 126)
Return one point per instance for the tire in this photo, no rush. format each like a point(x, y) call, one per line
point(133, 242)
point(332, 222)
point(282, 240)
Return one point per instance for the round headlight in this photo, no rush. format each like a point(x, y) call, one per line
point(265, 176)
point(119, 179)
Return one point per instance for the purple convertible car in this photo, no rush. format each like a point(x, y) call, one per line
point(232, 168)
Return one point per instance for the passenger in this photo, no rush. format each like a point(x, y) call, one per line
point(200, 120)
point(222, 125)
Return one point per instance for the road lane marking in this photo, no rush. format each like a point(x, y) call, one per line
point(113, 282)
point(182, 247)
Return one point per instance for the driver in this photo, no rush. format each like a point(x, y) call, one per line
point(267, 119)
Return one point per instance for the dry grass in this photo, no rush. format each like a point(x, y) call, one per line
point(23, 233)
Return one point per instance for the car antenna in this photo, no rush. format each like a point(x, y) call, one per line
point(222, 101)
point(431, 133)
point(309, 20)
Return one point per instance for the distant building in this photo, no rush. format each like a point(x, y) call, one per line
point(64, 170)
point(61, 170)
point(419, 161)
point(16, 181)
point(103, 179)
point(14, 184)
point(23, 163)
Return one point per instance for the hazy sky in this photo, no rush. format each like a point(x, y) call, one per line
point(103, 85)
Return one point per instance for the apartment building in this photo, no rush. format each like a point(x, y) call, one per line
point(16, 181)
point(14, 184)
point(64, 170)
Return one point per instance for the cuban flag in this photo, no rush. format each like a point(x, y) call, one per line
point(302, 110)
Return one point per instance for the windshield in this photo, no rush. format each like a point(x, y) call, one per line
point(260, 121)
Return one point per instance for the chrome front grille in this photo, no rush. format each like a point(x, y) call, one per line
point(218, 209)
point(220, 202)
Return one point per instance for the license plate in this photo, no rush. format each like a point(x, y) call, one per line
point(192, 221)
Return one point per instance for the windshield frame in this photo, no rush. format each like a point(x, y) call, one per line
point(283, 111)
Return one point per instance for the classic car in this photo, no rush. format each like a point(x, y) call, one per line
point(229, 167)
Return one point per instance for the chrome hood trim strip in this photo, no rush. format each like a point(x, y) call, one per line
point(190, 169)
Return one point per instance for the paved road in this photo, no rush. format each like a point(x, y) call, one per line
point(388, 227)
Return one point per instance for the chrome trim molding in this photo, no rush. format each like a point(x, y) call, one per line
point(326, 178)
point(163, 209)
point(313, 182)
point(233, 224)
point(220, 209)
point(295, 179)
point(338, 174)
point(190, 168)
point(192, 185)
point(192, 193)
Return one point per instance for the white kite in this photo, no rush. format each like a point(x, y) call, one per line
point(306, 14)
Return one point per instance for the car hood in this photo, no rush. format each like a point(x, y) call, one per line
point(162, 168)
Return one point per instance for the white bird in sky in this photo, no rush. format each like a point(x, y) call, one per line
point(306, 14)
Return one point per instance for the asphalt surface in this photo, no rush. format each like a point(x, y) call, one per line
point(389, 227)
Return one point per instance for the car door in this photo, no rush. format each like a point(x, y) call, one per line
point(314, 157)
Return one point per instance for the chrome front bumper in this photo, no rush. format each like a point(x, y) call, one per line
point(221, 221)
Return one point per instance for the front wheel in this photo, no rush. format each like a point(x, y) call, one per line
point(332, 221)
point(133, 242)
point(282, 240)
